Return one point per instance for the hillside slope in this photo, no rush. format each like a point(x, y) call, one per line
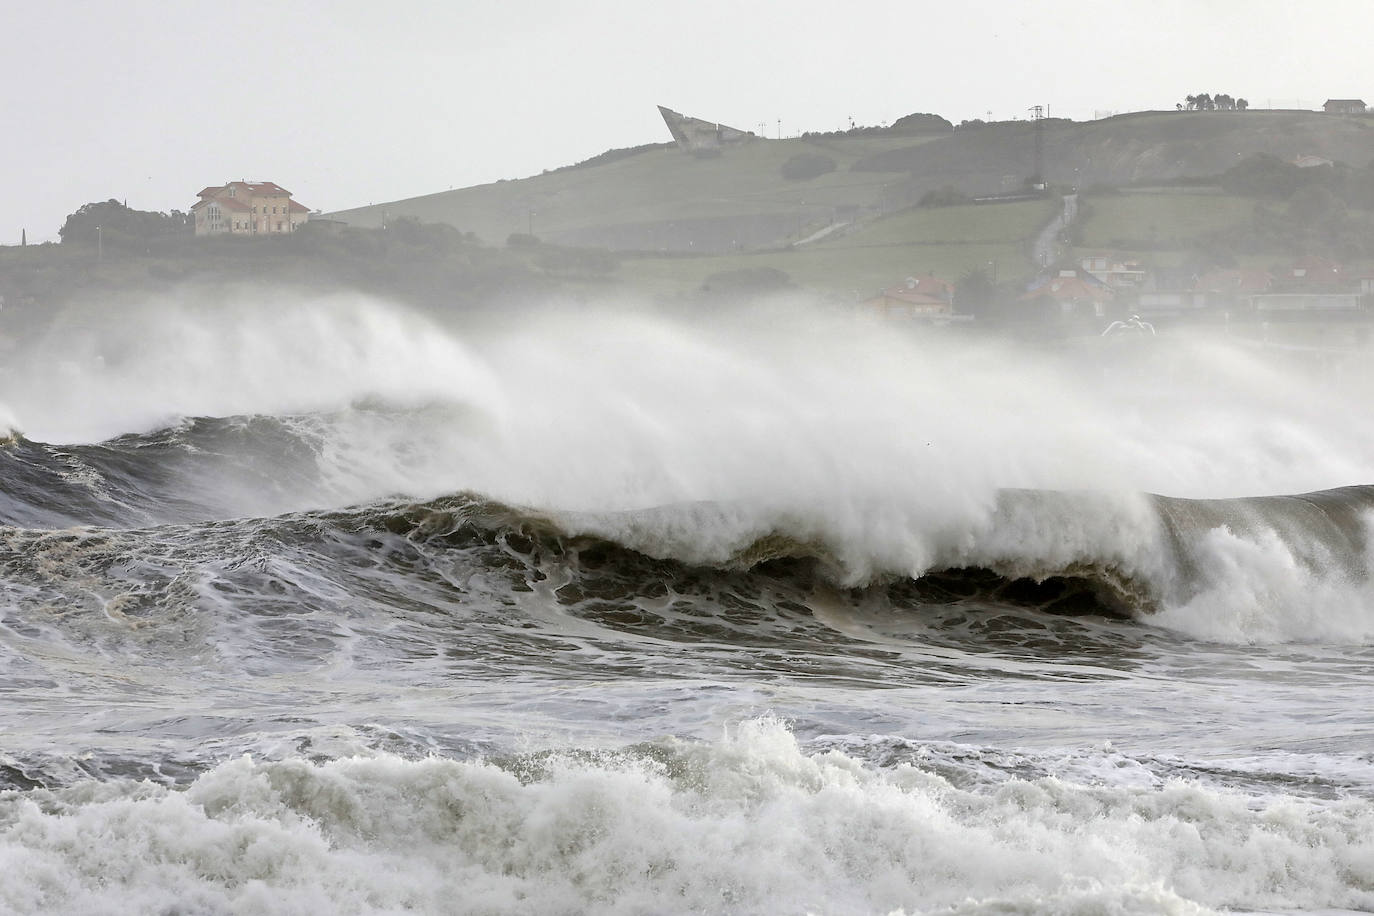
point(1128, 149)
point(664, 200)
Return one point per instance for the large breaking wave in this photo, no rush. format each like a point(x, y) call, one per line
point(872, 455)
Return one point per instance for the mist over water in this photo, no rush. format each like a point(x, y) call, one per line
point(644, 408)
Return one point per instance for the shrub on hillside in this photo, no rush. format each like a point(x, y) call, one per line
point(921, 124)
point(747, 280)
point(807, 165)
point(943, 197)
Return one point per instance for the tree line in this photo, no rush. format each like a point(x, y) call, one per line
point(1204, 101)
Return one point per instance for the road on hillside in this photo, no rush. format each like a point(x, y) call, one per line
point(1048, 239)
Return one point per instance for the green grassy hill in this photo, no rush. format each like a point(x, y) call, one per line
point(856, 227)
point(946, 241)
point(661, 199)
point(1128, 149)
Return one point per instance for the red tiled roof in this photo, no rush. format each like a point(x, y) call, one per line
point(247, 189)
point(911, 297)
point(1314, 269)
point(228, 203)
point(928, 284)
point(1069, 288)
point(264, 188)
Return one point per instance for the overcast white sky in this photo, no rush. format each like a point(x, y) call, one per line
point(353, 102)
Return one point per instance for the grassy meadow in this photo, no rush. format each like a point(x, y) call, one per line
point(945, 241)
point(652, 186)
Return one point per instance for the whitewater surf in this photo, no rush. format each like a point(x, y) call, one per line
point(616, 611)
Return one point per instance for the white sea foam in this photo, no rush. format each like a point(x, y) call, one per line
point(746, 824)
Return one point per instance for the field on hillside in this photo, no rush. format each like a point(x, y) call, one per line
point(1113, 221)
point(1170, 229)
point(658, 185)
point(945, 241)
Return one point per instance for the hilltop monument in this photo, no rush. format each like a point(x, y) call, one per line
point(702, 138)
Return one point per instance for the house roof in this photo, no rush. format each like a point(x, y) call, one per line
point(1315, 267)
point(927, 285)
point(296, 206)
point(911, 297)
point(1074, 287)
point(1345, 101)
point(260, 187)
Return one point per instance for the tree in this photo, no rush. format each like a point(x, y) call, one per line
point(1262, 175)
point(1314, 205)
point(975, 293)
point(117, 225)
point(1241, 104)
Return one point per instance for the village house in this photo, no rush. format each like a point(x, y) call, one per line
point(918, 297)
point(1117, 274)
point(1310, 284)
point(1345, 106)
point(247, 208)
point(1072, 293)
point(1312, 271)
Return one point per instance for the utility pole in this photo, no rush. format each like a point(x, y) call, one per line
point(1038, 178)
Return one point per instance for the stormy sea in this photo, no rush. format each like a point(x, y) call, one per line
point(323, 606)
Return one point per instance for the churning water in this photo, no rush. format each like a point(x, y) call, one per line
point(322, 607)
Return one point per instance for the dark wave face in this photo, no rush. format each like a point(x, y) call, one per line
point(155, 478)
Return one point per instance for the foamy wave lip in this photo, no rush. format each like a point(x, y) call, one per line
point(748, 823)
point(10, 429)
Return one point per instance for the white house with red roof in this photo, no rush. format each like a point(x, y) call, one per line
point(247, 208)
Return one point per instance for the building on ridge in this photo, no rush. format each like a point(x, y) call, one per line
point(247, 208)
point(701, 138)
point(1345, 106)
